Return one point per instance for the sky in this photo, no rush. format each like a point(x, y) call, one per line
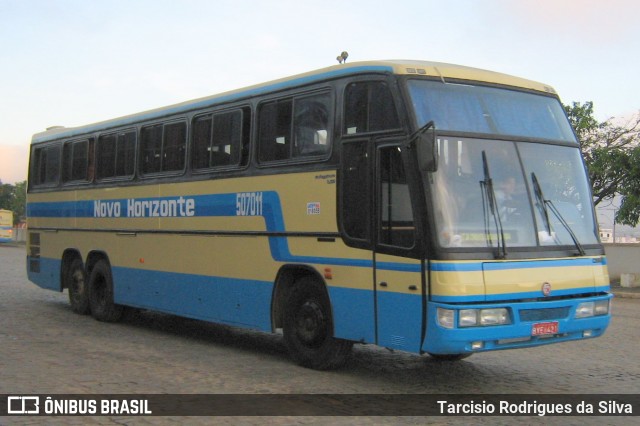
point(75, 62)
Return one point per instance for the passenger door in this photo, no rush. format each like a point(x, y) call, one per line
point(399, 292)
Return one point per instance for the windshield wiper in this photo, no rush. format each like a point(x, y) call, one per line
point(544, 212)
point(541, 203)
point(489, 194)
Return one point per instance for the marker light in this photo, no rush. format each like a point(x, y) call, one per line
point(445, 318)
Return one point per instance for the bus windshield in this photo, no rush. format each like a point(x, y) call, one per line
point(492, 193)
point(489, 110)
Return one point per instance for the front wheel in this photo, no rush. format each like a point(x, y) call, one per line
point(101, 294)
point(308, 328)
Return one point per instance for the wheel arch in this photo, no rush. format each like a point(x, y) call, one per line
point(68, 256)
point(285, 281)
point(93, 257)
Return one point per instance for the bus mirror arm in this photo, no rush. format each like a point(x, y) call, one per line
point(423, 141)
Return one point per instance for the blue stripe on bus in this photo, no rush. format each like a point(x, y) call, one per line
point(224, 205)
point(218, 205)
point(209, 102)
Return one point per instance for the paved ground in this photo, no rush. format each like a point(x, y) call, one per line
point(45, 348)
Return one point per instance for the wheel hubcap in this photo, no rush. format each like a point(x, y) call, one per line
point(311, 324)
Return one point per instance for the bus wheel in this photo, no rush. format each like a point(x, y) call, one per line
point(449, 357)
point(101, 294)
point(75, 280)
point(308, 328)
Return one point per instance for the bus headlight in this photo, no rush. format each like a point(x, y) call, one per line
point(445, 317)
point(590, 309)
point(475, 317)
point(468, 318)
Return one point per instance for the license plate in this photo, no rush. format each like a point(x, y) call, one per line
point(544, 328)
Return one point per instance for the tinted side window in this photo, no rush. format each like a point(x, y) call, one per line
point(75, 156)
point(295, 128)
point(275, 131)
point(106, 156)
point(369, 107)
point(46, 167)
point(174, 145)
point(396, 226)
point(356, 191)
point(219, 139)
point(163, 147)
point(125, 154)
point(116, 154)
point(311, 125)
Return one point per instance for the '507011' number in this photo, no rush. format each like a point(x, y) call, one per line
point(249, 204)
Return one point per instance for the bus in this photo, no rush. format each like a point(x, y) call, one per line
point(418, 206)
point(6, 226)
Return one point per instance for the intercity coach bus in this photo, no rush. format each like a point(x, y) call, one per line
point(6, 226)
point(418, 206)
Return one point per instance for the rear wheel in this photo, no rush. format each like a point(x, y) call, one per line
point(75, 279)
point(101, 294)
point(308, 328)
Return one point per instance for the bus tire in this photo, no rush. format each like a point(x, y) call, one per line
point(449, 357)
point(101, 294)
point(75, 280)
point(308, 328)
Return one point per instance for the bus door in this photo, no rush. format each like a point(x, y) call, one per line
point(399, 292)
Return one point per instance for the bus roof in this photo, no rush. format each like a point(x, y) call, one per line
point(439, 70)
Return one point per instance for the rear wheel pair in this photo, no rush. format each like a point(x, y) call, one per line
point(94, 295)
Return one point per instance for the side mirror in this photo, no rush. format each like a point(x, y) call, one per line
point(427, 149)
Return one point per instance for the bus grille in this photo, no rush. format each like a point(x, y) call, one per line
point(544, 314)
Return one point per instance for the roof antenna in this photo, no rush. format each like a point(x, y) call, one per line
point(343, 57)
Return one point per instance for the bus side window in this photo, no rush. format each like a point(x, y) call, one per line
point(275, 131)
point(396, 226)
point(355, 190)
point(219, 139)
point(311, 125)
point(174, 146)
point(294, 128)
point(116, 154)
point(106, 156)
point(164, 147)
point(151, 141)
point(74, 158)
point(369, 107)
point(47, 165)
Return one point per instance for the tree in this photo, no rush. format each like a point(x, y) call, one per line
point(612, 154)
point(14, 198)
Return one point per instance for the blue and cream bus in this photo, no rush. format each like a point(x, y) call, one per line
point(418, 206)
point(6, 226)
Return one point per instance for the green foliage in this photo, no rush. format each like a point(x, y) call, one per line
point(14, 198)
point(612, 155)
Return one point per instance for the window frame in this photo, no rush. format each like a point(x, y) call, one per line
point(245, 111)
point(369, 80)
point(292, 157)
point(37, 165)
point(69, 166)
point(141, 147)
point(116, 133)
